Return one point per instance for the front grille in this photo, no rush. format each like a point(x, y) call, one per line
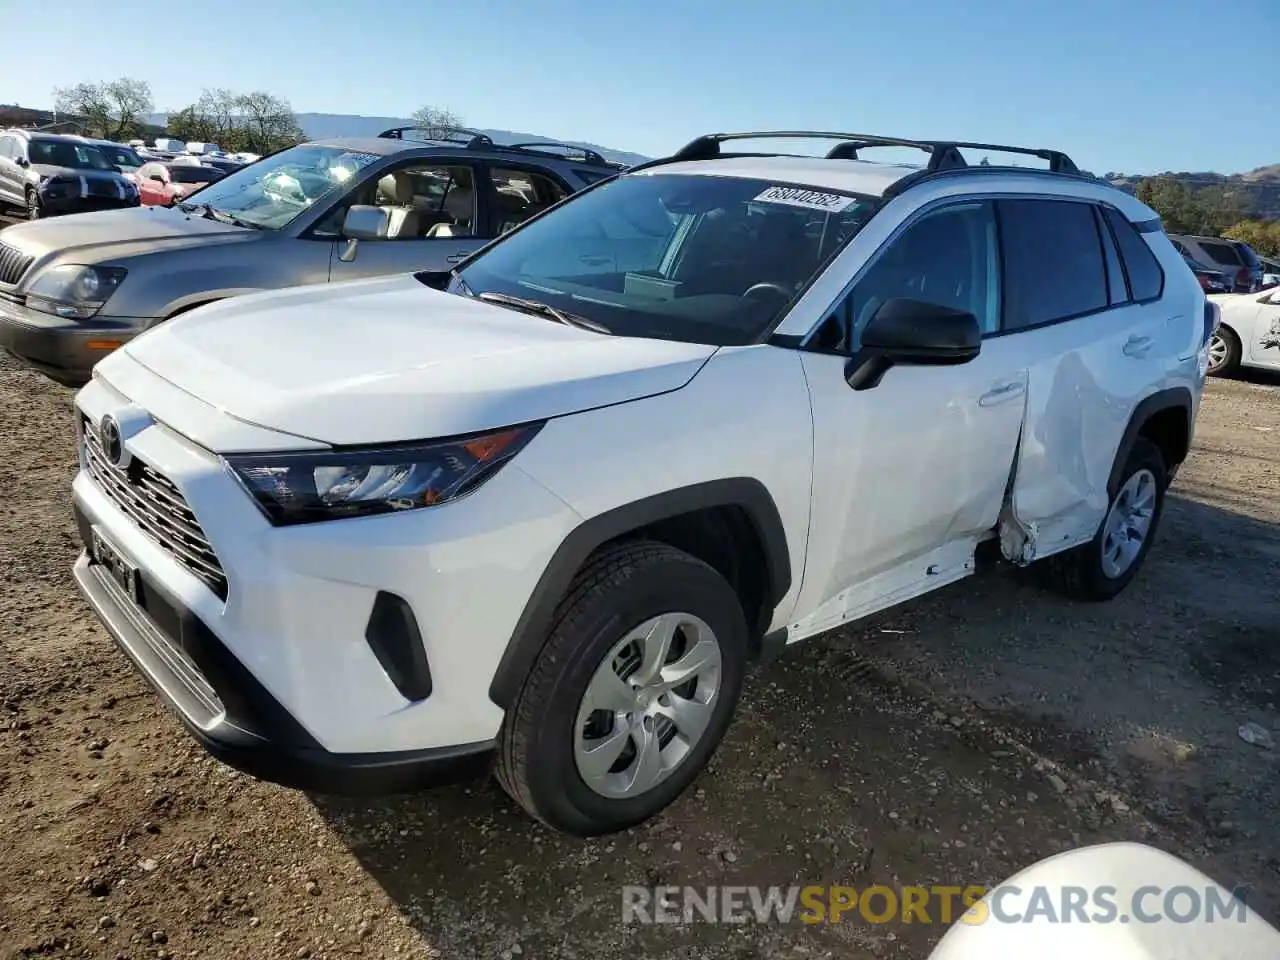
point(13, 263)
point(159, 509)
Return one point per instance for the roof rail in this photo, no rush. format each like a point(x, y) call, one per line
point(943, 154)
point(589, 156)
point(470, 138)
point(475, 140)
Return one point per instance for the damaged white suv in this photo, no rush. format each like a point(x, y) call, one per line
point(376, 535)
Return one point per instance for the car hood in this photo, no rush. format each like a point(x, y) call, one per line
point(112, 234)
point(390, 360)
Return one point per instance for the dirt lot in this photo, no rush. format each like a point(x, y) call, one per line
point(955, 741)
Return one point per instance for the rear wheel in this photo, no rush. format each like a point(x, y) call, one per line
point(1101, 568)
point(631, 694)
point(1224, 352)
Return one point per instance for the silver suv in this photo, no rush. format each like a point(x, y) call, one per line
point(75, 289)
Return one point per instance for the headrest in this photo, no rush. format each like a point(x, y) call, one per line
point(397, 187)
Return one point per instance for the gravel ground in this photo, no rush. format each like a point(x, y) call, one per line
point(953, 741)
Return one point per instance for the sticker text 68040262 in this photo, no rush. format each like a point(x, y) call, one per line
point(810, 199)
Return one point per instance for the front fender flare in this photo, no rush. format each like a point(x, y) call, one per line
point(534, 625)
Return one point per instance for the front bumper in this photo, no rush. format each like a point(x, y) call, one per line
point(62, 349)
point(283, 641)
point(231, 715)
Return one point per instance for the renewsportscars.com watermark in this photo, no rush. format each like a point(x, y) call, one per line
point(815, 904)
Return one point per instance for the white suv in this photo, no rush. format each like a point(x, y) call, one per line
point(375, 535)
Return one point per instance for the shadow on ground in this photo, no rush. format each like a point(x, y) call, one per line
point(920, 748)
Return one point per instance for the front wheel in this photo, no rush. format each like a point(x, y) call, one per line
point(631, 694)
point(33, 205)
point(1101, 568)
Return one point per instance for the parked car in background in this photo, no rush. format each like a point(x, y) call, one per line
point(1249, 334)
point(318, 212)
point(47, 174)
point(1211, 281)
point(163, 184)
point(1229, 256)
point(375, 536)
point(225, 164)
point(1270, 272)
point(124, 157)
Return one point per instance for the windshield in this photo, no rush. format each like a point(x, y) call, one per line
point(122, 157)
point(273, 192)
point(62, 153)
point(702, 259)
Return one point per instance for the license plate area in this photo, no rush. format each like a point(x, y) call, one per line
point(107, 555)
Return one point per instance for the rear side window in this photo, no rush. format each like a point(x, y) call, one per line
point(1223, 253)
point(1053, 262)
point(1146, 279)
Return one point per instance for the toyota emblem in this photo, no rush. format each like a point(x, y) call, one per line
point(112, 445)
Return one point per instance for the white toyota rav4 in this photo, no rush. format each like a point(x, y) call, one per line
point(376, 535)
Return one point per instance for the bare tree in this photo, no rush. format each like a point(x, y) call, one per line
point(436, 122)
point(218, 109)
point(115, 109)
point(268, 122)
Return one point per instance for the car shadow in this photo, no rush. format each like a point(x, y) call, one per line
point(881, 754)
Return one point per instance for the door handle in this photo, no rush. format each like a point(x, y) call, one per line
point(456, 258)
point(1006, 391)
point(1137, 346)
point(594, 261)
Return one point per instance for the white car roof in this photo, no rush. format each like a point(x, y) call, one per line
point(852, 176)
point(869, 178)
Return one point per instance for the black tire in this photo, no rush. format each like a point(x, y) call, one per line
point(618, 589)
point(1230, 358)
point(1080, 573)
point(33, 205)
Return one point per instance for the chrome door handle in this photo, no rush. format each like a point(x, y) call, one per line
point(1137, 346)
point(1006, 391)
point(456, 258)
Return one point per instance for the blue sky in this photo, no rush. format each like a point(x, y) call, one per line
point(1137, 86)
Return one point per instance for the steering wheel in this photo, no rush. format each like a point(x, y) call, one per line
point(768, 287)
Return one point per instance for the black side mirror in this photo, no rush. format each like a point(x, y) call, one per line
point(23, 162)
point(912, 332)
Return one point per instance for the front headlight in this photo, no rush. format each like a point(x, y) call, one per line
point(308, 487)
point(73, 290)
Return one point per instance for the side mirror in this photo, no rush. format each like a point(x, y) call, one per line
point(363, 222)
point(22, 162)
point(156, 177)
point(912, 332)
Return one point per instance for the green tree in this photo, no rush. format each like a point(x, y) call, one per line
point(1262, 235)
point(115, 109)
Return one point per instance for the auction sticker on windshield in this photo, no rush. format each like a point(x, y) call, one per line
point(810, 199)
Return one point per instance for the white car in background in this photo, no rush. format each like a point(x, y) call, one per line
point(1249, 335)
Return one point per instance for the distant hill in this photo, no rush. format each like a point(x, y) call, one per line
point(318, 126)
point(1258, 191)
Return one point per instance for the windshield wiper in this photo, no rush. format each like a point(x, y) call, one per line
point(544, 310)
point(209, 213)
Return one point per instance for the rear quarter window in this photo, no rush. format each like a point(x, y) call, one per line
point(1146, 279)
